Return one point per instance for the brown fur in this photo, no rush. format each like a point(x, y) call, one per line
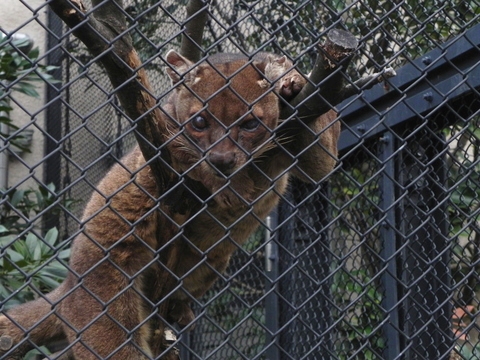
point(116, 266)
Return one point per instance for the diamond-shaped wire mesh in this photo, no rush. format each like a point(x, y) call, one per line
point(378, 260)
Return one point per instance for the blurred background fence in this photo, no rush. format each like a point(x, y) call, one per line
point(380, 262)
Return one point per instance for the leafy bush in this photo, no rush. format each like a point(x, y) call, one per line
point(359, 305)
point(26, 264)
point(18, 72)
point(29, 263)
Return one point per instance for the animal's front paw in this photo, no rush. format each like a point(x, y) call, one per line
point(288, 80)
point(181, 313)
point(291, 85)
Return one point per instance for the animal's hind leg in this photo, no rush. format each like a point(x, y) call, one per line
point(113, 329)
point(105, 317)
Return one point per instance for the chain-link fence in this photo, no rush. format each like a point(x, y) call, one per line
point(379, 259)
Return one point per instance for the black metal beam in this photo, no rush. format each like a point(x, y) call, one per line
point(441, 76)
point(272, 306)
point(389, 251)
point(53, 126)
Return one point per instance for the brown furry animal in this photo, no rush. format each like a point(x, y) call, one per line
point(221, 139)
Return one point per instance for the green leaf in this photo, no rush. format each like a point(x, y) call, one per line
point(51, 236)
point(15, 256)
point(4, 293)
point(55, 272)
point(6, 240)
point(33, 354)
point(50, 68)
point(380, 342)
point(64, 254)
point(31, 243)
point(47, 281)
point(6, 108)
point(51, 189)
point(33, 54)
point(18, 196)
point(27, 89)
point(367, 330)
point(369, 355)
point(18, 43)
point(38, 253)
point(6, 265)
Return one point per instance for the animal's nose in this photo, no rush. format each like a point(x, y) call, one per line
point(224, 162)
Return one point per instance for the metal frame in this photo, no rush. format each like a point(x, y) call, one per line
point(421, 90)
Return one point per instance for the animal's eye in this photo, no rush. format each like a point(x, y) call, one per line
point(250, 125)
point(199, 123)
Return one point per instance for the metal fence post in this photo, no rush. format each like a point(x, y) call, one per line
point(53, 125)
point(305, 313)
point(426, 279)
point(389, 246)
point(271, 287)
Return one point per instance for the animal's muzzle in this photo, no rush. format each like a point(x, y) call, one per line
point(223, 162)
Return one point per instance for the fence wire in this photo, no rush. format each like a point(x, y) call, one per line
point(379, 260)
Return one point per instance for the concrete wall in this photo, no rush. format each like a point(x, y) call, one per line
point(27, 18)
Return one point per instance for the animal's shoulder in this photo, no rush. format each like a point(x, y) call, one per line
point(128, 181)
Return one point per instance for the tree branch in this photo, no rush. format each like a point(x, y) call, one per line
point(192, 35)
point(325, 84)
point(105, 34)
point(367, 82)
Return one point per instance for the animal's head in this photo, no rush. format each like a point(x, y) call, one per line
point(225, 112)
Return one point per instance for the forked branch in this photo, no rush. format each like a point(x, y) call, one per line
point(104, 31)
point(326, 81)
point(326, 86)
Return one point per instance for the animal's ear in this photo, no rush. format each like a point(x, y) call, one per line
point(265, 63)
point(272, 68)
point(179, 65)
point(275, 68)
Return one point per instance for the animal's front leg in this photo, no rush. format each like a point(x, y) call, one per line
point(316, 147)
point(288, 80)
